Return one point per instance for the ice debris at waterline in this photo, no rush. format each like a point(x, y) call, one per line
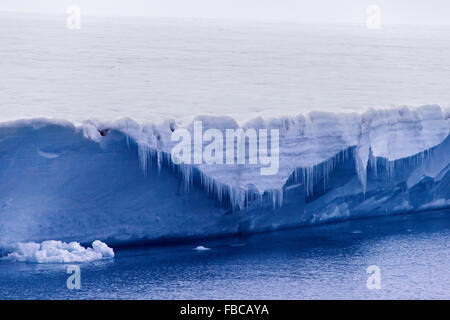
point(116, 181)
point(53, 251)
point(201, 248)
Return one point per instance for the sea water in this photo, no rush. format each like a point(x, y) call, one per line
point(326, 262)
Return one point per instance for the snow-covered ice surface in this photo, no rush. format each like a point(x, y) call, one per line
point(173, 68)
point(136, 81)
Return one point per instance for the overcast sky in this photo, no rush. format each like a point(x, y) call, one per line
point(333, 11)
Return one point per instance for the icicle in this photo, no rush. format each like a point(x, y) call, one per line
point(144, 156)
point(308, 178)
point(373, 162)
point(323, 170)
point(361, 159)
point(390, 167)
point(277, 198)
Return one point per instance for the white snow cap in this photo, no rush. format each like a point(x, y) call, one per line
point(53, 251)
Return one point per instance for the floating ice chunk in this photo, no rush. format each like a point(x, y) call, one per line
point(48, 155)
point(103, 248)
point(202, 248)
point(53, 251)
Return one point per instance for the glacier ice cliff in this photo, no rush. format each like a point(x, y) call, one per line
point(115, 181)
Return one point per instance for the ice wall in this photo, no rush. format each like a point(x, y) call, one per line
point(305, 142)
point(116, 182)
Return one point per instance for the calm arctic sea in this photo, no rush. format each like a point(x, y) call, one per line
point(148, 69)
point(327, 262)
